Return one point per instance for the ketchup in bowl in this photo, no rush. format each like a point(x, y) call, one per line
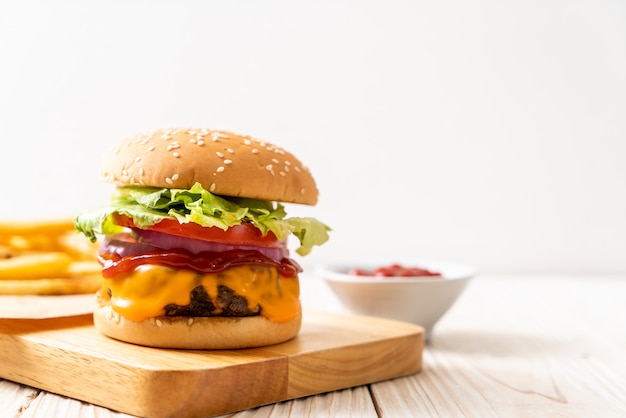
point(395, 270)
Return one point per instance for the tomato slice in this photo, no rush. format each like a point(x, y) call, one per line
point(243, 234)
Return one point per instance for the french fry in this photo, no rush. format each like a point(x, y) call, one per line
point(36, 227)
point(46, 258)
point(77, 246)
point(81, 268)
point(35, 265)
point(51, 286)
point(38, 235)
point(6, 252)
point(33, 243)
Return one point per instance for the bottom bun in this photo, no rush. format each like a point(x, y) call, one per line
point(195, 332)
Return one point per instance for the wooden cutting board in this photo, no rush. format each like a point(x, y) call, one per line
point(70, 357)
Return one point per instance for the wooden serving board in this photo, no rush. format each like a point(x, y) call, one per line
point(70, 357)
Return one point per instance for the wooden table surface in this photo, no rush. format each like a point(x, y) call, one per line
point(512, 346)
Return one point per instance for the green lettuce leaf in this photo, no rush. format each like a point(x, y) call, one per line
point(149, 205)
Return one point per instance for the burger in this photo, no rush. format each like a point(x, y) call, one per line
point(194, 242)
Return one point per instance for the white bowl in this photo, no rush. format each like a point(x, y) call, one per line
point(419, 300)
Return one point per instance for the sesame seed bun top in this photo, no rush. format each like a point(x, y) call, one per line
point(223, 162)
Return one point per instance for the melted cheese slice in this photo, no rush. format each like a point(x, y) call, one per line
point(144, 292)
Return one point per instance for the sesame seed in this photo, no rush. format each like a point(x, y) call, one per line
point(175, 177)
point(270, 168)
point(218, 135)
point(190, 321)
point(192, 140)
point(246, 141)
point(159, 323)
point(219, 154)
point(228, 161)
point(255, 151)
point(286, 169)
point(173, 145)
point(200, 142)
point(137, 159)
point(282, 173)
point(230, 150)
point(220, 169)
point(168, 180)
point(151, 148)
point(301, 191)
point(212, 188)
point(297, 169)
point(287, 162)
point(115, 316)
point(141, 171)
point(176, 155)
point(275, 161)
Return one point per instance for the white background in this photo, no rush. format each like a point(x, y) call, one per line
point(488, 132)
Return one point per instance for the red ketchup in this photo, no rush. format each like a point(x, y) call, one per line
point(395, 270)
point(203, 262)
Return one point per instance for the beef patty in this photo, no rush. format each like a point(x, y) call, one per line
point(227, 303)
